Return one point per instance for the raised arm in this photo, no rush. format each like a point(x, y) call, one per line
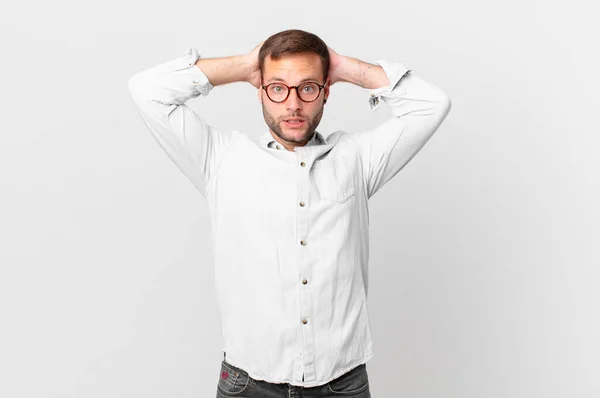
point(236, 68)
point(160, 94)
point(418, 108)
point(352, 70)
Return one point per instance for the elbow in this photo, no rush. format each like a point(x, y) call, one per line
point(445, 104)
point(133, 84)
point(138, 87)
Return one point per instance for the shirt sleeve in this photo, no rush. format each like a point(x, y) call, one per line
point(418, 109)
point(159, 94)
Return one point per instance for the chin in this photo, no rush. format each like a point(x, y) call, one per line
point(299, 135)
point(295, 132)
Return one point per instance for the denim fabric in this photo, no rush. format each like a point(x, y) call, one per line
point(235, 382)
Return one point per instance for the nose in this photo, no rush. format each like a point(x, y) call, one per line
point(293, 101)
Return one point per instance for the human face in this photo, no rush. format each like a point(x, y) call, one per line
point(293, 70)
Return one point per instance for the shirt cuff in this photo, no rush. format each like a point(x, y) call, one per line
point(186, 64)
point(394, 71)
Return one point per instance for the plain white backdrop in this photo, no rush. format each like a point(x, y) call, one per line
point(484, 256)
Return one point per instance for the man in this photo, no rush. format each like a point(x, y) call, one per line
point(289, 213)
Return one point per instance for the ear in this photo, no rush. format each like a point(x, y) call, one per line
point(326, 90)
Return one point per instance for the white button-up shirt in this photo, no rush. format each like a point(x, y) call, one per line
point(289, 229)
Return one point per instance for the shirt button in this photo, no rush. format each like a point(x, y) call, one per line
point(303, 243)
point(303, 164)
point(301, 204)
point(304, 321)
point(304, 281)
point(278, 147)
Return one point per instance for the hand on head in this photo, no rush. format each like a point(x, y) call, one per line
point(253, 66)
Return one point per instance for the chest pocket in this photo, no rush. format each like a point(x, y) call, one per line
point(334, 179)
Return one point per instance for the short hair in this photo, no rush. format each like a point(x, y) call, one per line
point(291, 42)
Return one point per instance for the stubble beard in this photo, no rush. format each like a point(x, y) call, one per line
point(274, 125)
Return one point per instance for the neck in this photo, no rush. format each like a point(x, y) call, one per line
point(290, 145)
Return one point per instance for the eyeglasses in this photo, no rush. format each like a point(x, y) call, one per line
point(307, 92)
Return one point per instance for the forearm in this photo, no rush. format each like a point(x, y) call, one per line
point(361, 73)
point(225, 70)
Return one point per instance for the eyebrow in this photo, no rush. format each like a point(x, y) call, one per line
point(278, 79)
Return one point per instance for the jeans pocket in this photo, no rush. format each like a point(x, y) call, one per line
point(334, 179)
point(232, 380)
point(353, 382)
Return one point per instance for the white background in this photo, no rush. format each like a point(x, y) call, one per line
point(484, 257)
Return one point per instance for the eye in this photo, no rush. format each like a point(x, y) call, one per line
point(277, 88)
point(308, 88)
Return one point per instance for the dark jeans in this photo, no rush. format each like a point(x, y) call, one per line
point(235, 382)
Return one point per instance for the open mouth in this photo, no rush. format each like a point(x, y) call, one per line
point(294, 122)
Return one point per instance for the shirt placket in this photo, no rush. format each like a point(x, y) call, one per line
point(305, 363)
